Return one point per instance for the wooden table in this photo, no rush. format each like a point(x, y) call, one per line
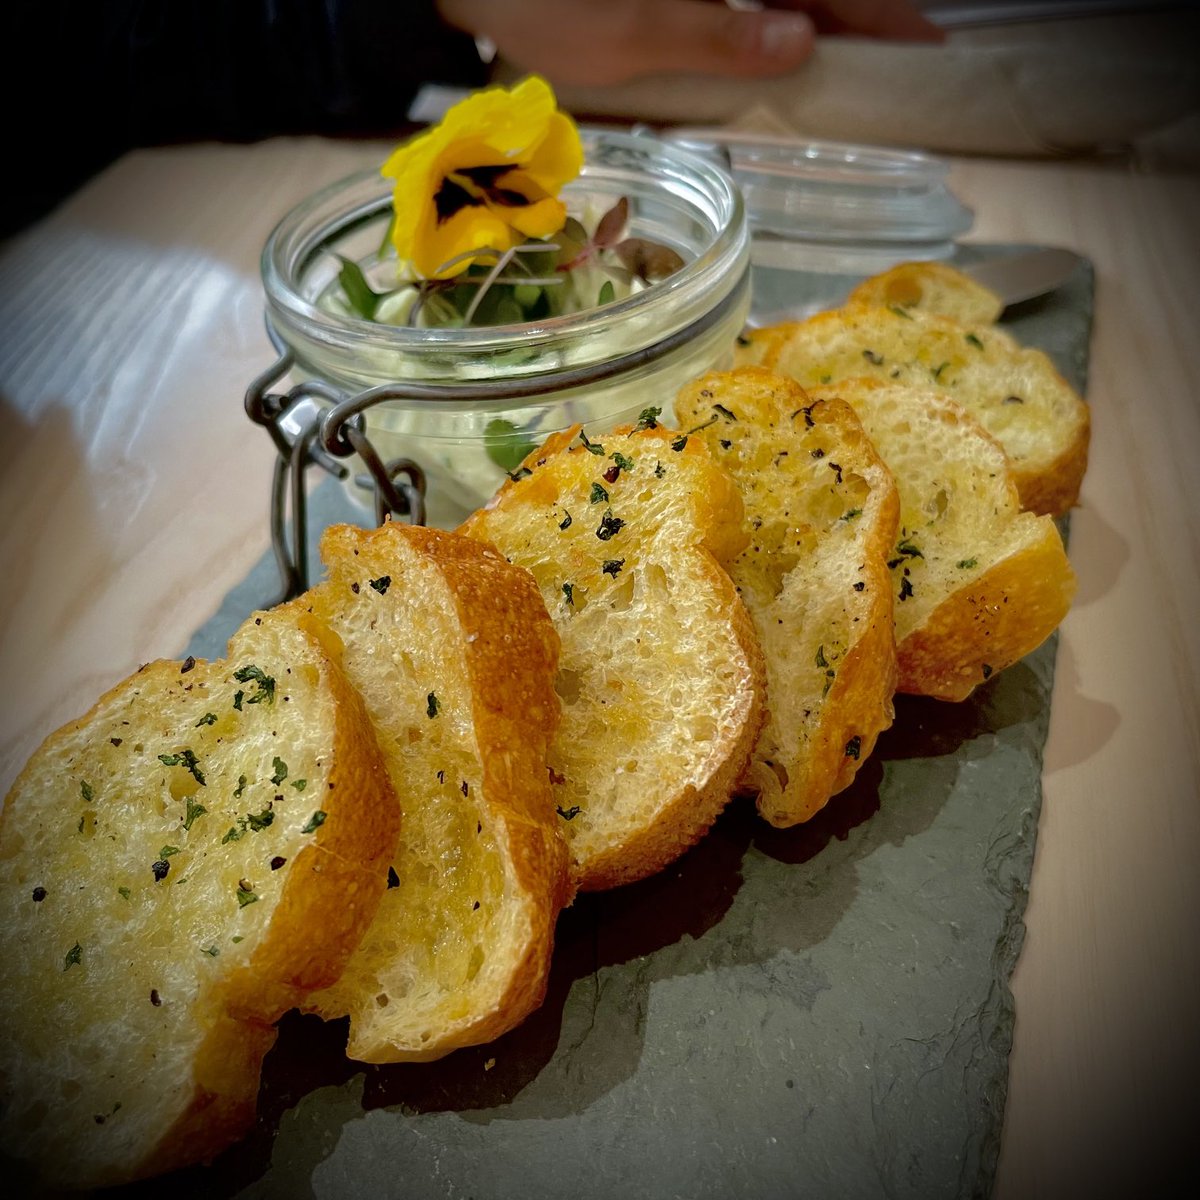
point(134, 496)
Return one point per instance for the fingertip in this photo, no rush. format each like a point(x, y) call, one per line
point(781, 39)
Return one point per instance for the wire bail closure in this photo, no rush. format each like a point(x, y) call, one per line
point(313, 423)
point(327, 427)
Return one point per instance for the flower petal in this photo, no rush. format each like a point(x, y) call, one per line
point(473, 228)
point(442, 210)
point(558, 157)
point(540, 219)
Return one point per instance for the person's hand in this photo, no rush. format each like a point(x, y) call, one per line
point(612, 41)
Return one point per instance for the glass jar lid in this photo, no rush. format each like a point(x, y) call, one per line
point(835, 192)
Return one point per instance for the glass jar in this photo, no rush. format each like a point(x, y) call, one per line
point(479, 393)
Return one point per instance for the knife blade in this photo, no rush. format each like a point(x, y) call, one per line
point(1026, 274)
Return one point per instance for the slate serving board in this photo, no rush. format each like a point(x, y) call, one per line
point(818, 1012)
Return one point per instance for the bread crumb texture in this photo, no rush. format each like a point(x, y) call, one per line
point(661, 676)
point(177, 868)
point(821, 514)
point(453, 651)
point(1015, 393)
point(978, 582)
point(932, 287)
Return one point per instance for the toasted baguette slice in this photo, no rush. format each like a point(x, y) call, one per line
point(821, 513)
point(661, 675)
point(1015, 394)
point(178, 868)
point(452, 649)
point(979, 583)
point(932, 287)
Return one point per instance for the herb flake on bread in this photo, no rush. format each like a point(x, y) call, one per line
point(455, 656)
point(179, 867)
point(1014, 392)
point(978, 582)
point(821, 514)
point(661, 675)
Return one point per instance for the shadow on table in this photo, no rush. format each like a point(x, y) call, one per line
point(681, 921)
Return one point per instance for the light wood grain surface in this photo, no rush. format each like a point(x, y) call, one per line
point(133, 491)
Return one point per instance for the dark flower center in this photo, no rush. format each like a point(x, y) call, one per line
point(475, 186)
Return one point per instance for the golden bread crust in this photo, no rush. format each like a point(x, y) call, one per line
point(661, 676)
point(934, 287)
point(978, 582)
point(995, 621)
point(1015, 393)
point(166, 837)
point(820, 514)
point(473, 706)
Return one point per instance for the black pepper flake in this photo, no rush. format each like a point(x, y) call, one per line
point(393, 879)
point(160, 869)
point(432, 705)
point(854, 747)
point(355, 588)
point(837, 470)
point(876, 360)
point(475, 906)
point(609, 525)
point(859, 586)
point(465, 788)
point(519, 474)
point(613, 567)
point(565, 523)
point(39, 894)
point(818, 453)
point(188, 664)
point(381, 584)
point(725, 443)
point(277, 862)
point(906, 589)
point(568, 814)
point(1013, 400)
point(115, 741)
point(155, 998)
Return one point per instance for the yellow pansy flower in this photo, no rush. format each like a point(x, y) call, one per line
point(486, 176)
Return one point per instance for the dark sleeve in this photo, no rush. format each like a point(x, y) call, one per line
point(94, 78)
